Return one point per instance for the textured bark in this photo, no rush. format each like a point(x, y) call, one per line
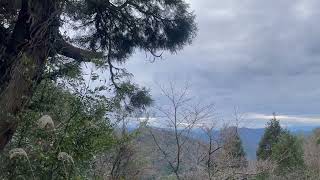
point(27, 60)
point(23, 57)
point(17, 93)
point(12, 44)
point(78, 54)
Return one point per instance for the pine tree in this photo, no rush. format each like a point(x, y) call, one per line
point(287, 152)
point(232, 146)
point(104, 33)
point(270, 137)
point(238, 151)
point(282, 148)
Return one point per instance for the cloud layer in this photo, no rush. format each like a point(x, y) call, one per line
point(261, 56)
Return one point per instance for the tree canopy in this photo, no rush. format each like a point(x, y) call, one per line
point(288, 153)
point(53, 37)
point(270, 137)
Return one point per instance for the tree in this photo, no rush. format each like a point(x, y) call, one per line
point(311, 152)
point(123, 161)
point(105, 32)
point(63, 144)
point(270, 137)
point(79, 128)
point(287, 153)
point(282, 151)
point(211, 150)
point(232, 147)
point(180, 115)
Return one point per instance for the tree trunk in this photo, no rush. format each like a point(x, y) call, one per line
point(27, 61)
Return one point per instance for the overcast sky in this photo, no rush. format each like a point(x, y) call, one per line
point(259, 56)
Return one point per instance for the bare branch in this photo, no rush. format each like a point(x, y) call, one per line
point(182, 118)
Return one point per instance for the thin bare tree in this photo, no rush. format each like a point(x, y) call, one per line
point(213, 147)
point(180, 115)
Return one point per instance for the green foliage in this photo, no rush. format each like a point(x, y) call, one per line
point(81, 130)
point(137, 98)
point(281, 148)
point(112, 31)
point(124, 25)
point(288, 153)
point(270, 137)
point(262, 176)
point(114, 28)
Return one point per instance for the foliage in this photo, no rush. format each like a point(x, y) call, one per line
point(57, 36)
point(271, 136)
point(288, 153)
point(136, 98)
point(232, 142)
point(232, 147)
point(81, 131)
point(237, 150)
point(311, 153)
point(150, 25)
point(281, 148)
point(111, 30)
point(123, 161)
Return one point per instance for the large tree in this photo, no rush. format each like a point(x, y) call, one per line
point(104, 32)
point(270, 137)
point(288, 153)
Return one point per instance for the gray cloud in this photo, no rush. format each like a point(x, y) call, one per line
point(261, 56)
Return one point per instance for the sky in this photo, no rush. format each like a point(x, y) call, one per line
point(258, 56)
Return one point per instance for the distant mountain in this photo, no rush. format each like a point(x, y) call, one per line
point(196, 141)
point(302, 130)
point(251, 137)
point(148, 150)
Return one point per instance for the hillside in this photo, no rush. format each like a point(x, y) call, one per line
point(148, 150)
point(250, 137)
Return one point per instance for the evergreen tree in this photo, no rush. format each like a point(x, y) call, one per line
point(238, 151)
point(104, 33)
point(232, 146)
point(282, 148)
point(270, 137)
point(287, 152)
